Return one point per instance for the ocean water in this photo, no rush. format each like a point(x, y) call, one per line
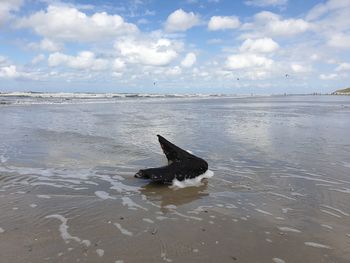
point(280, 190)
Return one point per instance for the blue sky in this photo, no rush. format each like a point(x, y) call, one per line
point(186, 46)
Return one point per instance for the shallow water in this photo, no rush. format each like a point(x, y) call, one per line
point(280, 190)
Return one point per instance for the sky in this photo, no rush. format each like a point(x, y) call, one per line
point(166, 46)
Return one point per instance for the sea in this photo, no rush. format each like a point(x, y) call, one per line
point(278, 190)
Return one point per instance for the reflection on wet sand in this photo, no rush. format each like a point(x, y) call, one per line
point(166, 197)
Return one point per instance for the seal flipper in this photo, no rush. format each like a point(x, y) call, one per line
point(181, 165)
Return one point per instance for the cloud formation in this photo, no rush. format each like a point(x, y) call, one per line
point(69, 24)
point(261, 45)
point(244, 61)
point(158, 52)
point(85, 60)
point(7, 7)
point(189, 60)
point(264, 3)
point(179, 20)
point(223, 23)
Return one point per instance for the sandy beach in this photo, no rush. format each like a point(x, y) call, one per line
point(280, 190)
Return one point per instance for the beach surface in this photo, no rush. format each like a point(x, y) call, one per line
point(280, 190)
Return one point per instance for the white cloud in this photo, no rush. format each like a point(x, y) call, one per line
point(343, 67)
point(149, 52)
point(263, 45)
point(85, 60)
point(270, 24)
point(49, 45)
point(242, 61)
point(223, 22)
point(7, 7)
point(9, 72)
point(69, 24)
point(189, 60)
point(46, 45)
point(37, 59)
point(3, 60)
point(299, 68)
point(339, 40)
point(263, 3)
point(331, 22)
point(179, 20)
point(175, 71)
point(323, 8)
point(331, 76)
point(118, 65)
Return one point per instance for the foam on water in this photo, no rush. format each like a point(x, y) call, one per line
point(1, 230)
point(3, 158)
point(327, 226)
point(343, 190)
point(263, 212)
point(288, 229)
point(131, 204)
point(281, 195)
point(278, 260)
point(194, 182)
point(103, 195)
point(63, 228)
point(316, 245)
point(123, 230)
point(44, 196)
point(148, 220)
point(335, 209)
point(330, 213)
point(100, 252)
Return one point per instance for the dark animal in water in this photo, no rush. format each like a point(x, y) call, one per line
point(181, 165)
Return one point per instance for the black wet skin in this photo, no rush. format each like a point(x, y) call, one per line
point(182, 165)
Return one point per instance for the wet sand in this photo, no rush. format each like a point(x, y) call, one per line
point(280, 190)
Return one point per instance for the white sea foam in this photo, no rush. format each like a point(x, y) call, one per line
point(164, 257)
point(117, 185)
point(278, 260)
point(3, 158)
point(100, 252)
point(327, 226)
point(197, 181)
point(1, 230)
point(148, 220)
point(200, 209)
point(285, 210)
point(161, 218)
point(103, 195)
point(316, 245)
point(342, 190)
point(346, 165)
point(123, 230)
point(330, 213)
point(186, 216)
point(44, 196)
point(335, 209)
point(288, 229)
point(63, 228)
point(263, 211)
point(309, 178)
point(131, 204)
point(281, 195)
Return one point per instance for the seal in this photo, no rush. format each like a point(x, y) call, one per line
point(181, 165)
